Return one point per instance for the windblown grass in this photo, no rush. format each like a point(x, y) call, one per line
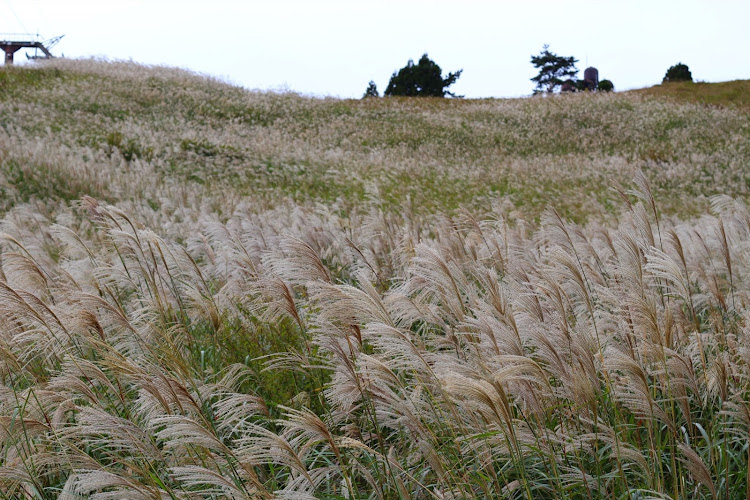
point(241, 335)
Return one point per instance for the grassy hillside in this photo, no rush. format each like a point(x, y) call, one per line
point(725, 94)
point(212, 293)
point(123, 132)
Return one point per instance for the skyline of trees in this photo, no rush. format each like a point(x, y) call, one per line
point(425, 79)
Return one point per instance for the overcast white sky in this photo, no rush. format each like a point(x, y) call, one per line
point(334, 47)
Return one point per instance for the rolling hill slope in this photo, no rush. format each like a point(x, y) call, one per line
point(123, 132)
point(725, 94)
point(207, 292)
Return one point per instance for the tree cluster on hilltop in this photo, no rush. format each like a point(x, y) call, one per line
point(424, 79)
point(552, 70)
point(556, 74)
point(559, 72)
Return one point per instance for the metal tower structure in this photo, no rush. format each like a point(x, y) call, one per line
point(11, 43)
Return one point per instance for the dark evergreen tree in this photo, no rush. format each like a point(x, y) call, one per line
point(678, 73)
point(421, 79)
point(372, 90)
point(552, 70)
point(606, 86)
point(570, 85)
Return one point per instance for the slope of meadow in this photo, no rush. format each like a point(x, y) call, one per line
point(207, 292)
point(726, 94)
point(125, 133)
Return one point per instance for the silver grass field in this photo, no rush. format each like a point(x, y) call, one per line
point(208, 292)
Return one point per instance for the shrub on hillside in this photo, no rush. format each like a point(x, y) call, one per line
point(678, 73)
point(371, 91)
point(606, 86)
point(422, 79)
